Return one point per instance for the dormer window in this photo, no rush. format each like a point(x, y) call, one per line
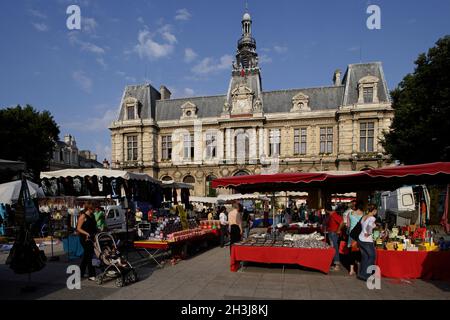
point(189, 111)
point(368, 95)
point(368, 90)
point(130, 113)
point(132, 108)
point(300, 103)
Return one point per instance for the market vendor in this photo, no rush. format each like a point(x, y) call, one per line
point(138, 216)
point(334, 226)
point(99, 215)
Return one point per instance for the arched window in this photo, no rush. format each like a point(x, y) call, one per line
point(189, 179)
point(210, 192)
point(241, 173)
point(166, 178)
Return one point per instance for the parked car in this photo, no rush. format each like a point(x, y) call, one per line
point(115, 217)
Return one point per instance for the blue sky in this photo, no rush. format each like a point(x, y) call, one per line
point(79, 76)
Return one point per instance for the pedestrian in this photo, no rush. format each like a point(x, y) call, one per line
point(87, 228)
point(138, 216)
point(334, 226)
point(223, 225)
point(366, 245)
point(353, 216)
point(235, 223)
point(246, 223)
point(210, 215)
point(99, 216)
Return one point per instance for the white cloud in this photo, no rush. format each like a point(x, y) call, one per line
point(189, 92)
point(88, 24)
point(130, 79)
point(354, 48)
point(280, 49)
point(102, 62)
point(103, 152)
point(189, 55)
point(37, 14)
point(85, 46)
point(183, 15)
point(265, 59)
point(83, 80)
point(169, 37)
point(210, 65)
point(42, 27)
point(149, 48)
point(121, 73)
point(95, 123)
point(140, 20)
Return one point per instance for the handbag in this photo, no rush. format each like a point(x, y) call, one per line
point(356, 231)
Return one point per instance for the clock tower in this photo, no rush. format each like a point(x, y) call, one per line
point(244, 96)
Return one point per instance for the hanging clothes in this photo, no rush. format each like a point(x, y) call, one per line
point(185, 197)
point(445, 220)
point(167, 194)
point(175, 196)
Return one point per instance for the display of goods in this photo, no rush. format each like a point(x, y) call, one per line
point(210, 224)
point(310, 243)
point(313, 236)
point(187, 234)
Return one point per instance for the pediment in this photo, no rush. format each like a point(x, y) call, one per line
point(300, 96)
point(368, 79)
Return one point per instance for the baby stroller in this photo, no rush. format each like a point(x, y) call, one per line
point(113, 265)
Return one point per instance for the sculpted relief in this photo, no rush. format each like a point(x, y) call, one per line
point(242, 99)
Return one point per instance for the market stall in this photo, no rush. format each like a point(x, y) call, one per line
point(172, 237)
point(305, 250)
point(410, 253)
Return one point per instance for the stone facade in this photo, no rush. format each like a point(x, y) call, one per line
point(249, 131)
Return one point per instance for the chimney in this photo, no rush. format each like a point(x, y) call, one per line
point(165, 93)
point(337, 78)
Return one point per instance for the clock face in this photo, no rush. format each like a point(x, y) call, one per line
point(241, 106)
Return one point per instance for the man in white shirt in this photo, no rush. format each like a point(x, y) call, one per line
point(223, 225)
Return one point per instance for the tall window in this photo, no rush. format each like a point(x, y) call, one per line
point(166, 147)
point(242, 146)
point(211, 145)
point(130, 113)
point(300, 137)
point(188, 146)
point(132, 148)
point(326, 140)
point(275, 143)
point(366, 136)
point(368, 95)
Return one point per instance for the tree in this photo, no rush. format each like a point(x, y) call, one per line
point(420, 132)
point(28, 135)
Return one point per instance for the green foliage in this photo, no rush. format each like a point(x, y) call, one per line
point(420, 132)
point(27, 135)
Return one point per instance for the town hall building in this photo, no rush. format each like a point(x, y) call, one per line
point(250, 131)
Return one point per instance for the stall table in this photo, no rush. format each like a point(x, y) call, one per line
point(434, 265)
point(153, 248)
point(295, 229)
point(317, 259)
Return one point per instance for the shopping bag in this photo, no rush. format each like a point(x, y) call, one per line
point(343, 248)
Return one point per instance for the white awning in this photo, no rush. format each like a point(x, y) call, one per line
point(99, 173)
point(10, 191)
point(211, 200)
point(237, 197)
point(176, 185)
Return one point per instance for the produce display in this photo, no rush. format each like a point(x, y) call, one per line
point(210, 224)
point(187, 234)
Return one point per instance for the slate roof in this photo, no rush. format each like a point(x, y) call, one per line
point(323, 98)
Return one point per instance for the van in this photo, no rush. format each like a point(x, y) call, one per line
point(115, 217)
point(401, 207)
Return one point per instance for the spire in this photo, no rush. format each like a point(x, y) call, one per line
point(246, 57)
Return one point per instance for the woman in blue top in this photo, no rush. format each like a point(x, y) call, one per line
point(353, 218)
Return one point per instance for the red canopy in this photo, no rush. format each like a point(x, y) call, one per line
point(382, 179)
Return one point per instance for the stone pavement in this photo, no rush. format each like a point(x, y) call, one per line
point(207, 277)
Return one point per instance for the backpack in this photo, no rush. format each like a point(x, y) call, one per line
point(356, 231)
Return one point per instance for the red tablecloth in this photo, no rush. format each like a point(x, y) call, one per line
point(414, 265)
point(318, 259)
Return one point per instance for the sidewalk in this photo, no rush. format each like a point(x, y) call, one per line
point(207, 276)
